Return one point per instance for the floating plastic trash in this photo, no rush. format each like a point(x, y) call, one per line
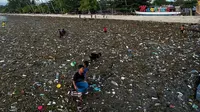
point(73, 63)
point(195, 106)
point(97, 89)
point(58, 86)
point(114, 83)
point(194, 71)
point(40, 108)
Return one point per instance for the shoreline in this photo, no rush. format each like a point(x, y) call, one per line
point(170, 19)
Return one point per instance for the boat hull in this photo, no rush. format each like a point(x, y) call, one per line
point(157, 13)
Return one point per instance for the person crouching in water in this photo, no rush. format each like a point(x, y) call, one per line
point(182, 29)
point(78, 82)
point(62, 32)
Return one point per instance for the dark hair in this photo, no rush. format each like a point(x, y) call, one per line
point(80, 66)
point(86, 63)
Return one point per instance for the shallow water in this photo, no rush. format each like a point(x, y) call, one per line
point(149, 79)
point(3, 18)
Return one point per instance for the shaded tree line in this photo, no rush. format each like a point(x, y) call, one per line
point(70, 6)
point(84, 6)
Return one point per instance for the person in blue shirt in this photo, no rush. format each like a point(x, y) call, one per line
point(78, 83)
point(86, 69)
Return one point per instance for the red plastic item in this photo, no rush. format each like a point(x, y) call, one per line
point(40, 108)
point(171, 106)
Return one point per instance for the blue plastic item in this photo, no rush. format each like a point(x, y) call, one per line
point(198, 93)
point(82, 86)
point(194, 71)
point(97, 89)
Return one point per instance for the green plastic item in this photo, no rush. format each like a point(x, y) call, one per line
point(73, 63)
point(194, 106)
point(155, 53)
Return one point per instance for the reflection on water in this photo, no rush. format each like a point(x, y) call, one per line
point(3, 18)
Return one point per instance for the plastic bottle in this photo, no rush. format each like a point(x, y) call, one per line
point(74, 93)
point(94, 77)
point(44, 86)
point(130, 53)
point(57, 77)
point(114, 83)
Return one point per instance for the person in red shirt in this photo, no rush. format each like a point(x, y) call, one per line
point(104, 29)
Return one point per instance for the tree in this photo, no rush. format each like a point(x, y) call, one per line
point(127, 5)
point(63, 6)
point(17, 5)
point(178, 3)
point(160, 2)
point(44, 8)
point(189, 3)
point(88, 5)
point(186, 4)
point(26, 9)
point(33, 2)
point(3, 9)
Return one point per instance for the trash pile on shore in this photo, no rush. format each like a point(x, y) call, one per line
point(144, 67)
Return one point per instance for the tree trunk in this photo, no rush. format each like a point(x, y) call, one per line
point(190, 11)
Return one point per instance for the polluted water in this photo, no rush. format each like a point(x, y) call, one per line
point(144, 66)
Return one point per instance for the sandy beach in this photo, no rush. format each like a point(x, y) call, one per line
point(171, 19)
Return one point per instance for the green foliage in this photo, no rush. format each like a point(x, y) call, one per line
point(160, 2)
point(3, 9)
point(17, 5)
point(128, 4)
point(72, 6)
point(33, 2)
point(88, 5)
point(189, 4)
point(26, 9)
point(45, 8)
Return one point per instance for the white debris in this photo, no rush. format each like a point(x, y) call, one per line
point(2, 61)
point(122, 78)
point(114, 83)
point(180, 95)
point(154, 98)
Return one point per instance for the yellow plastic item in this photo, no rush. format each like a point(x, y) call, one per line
point(58, 86)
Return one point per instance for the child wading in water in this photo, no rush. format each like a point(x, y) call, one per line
point(3, 24)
